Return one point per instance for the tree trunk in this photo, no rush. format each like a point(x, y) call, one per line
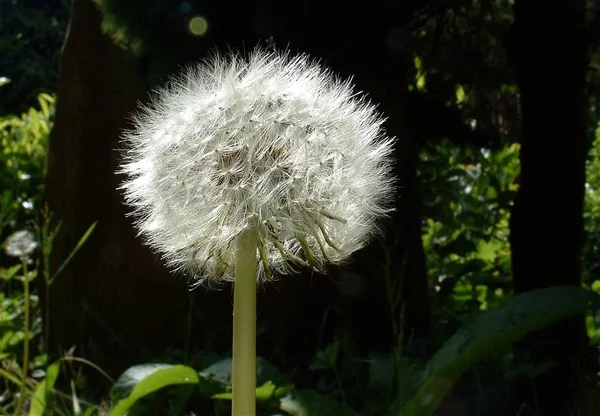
point(549, 52)
point(374, 53)
point(114, 297)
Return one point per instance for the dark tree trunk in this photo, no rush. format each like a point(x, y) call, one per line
point(114, 298)
point(369, 44)
point(548, 46)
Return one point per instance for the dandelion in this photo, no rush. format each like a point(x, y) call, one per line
point(20, 244)
point(246, 168)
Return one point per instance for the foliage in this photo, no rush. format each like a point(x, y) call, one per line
point(23, 143)
point(462, 73)
point(159, 31)
point(30, 40)
point(23, 149)
point(591, 250)
point(19, 330)
point(467, 121)
point(466, 207)
point(149, 389)
point(493, 331)
point(22, 166)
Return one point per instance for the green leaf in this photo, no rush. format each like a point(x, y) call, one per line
point(461, 95)
point(91, 411)
point(461, 246)
point(382, 373)
point(265, 372)
point(9, 376)
point(141, 380)
point(7, 274)
point(492, 331)
point(45, 102)
point(326, 359)
point(309, 403)
point(267, 391)
point(42, 391)
point(215, 381)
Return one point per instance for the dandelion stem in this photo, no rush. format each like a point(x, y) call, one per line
point(244, 325)
point(26, 331)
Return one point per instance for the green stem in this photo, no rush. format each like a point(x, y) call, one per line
point(46, 238)
point(47, 318)
point(25, 340)
point(244, 325)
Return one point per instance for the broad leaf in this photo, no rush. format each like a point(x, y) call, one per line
point(265, 372)
point(271, 384)
point(492, 331)
point(141, 380)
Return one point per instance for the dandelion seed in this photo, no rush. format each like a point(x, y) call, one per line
point(271, 141)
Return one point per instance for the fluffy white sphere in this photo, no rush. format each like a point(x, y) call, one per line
point(20, 244)
point(271, 141)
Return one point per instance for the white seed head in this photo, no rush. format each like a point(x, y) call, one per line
point(270, 141)
point(20, 244)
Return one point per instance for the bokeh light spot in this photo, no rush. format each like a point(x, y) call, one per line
point(198, 25)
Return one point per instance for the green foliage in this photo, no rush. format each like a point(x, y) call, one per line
point(466, 208)
point(461, 64)
point(591, 214)
point(41, 396)
point(492, 332)
point(30, 40)
point(161, 386)
point(18, 330)
point(140, 381)
point(137, 391)
point(134, 26)
point(159, 31)
point(591, 248)
point(23, 144)
point(13, 305)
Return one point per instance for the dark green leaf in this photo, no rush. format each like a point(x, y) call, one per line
point(460, 246)
point(265, 372)
point(491, 331)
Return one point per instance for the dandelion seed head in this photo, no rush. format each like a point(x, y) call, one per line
point(271, 141)
point(20, 244)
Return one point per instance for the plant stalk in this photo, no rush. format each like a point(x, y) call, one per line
point(26, 325)
point(244, 325)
